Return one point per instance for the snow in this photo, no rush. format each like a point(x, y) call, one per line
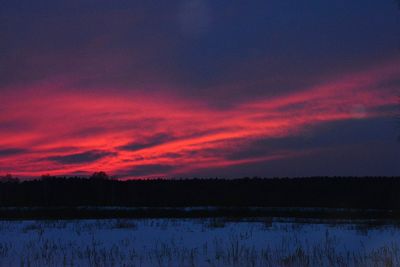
point(194, 242)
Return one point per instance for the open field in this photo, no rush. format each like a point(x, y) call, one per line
point(198, 242)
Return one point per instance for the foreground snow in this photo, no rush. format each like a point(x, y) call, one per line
point(196, 242)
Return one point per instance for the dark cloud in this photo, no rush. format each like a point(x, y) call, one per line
point(149, 142)
point(12, 151)
point(162, 138)
point(387, 109)
point(377, 159)
point(326, 135)
point(172, 155)
point(260, 48)
point(80, 158)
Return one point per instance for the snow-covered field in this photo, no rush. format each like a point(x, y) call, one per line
point(196, 242)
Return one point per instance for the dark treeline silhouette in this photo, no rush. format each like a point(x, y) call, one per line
point(318, 192)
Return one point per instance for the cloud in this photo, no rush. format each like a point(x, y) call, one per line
point(81, 158)
point(326, 135)
point(12, 151)
point(148, 142)
point(75, 130)
point(139, 46)
point(377, 159)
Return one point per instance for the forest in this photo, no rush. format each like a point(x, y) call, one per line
point(99, 190)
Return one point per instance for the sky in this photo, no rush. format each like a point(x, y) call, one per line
point(199, 88)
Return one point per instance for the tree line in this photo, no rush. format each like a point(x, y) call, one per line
point(100, 190)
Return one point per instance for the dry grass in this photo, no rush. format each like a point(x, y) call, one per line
point(233, 249)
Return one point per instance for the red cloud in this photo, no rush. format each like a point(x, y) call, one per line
point(49, 128)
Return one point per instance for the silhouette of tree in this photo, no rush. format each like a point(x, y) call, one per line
point(329, 192)
point(8, 178)
point(100, 176)
point(45, 177)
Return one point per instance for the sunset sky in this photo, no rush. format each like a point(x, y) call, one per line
point(197, 88)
